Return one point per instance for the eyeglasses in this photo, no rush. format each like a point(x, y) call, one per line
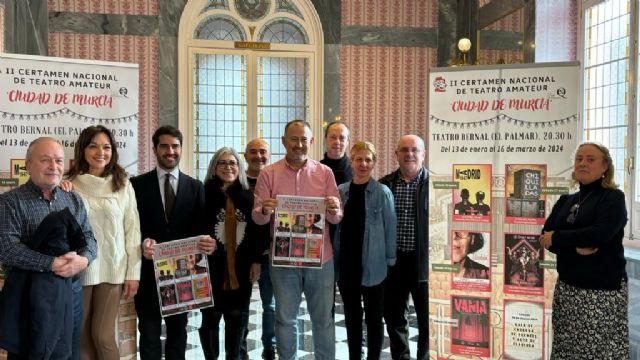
point(573, 213)
point(229, 163)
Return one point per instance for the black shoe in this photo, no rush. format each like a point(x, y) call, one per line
point(269, 353)
point(209, 343)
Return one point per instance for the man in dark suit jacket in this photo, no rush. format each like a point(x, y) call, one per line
point(164, 217)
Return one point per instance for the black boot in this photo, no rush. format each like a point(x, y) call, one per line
point(269, 353)
point(209, 343)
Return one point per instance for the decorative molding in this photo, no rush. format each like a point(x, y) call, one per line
point(111, 24)
point(388, 36)
point(497, 9)
point(500, 40)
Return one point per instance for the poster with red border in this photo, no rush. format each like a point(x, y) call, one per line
point(471, 253)
point(472, 198)
point(182, 276)
point(523, 274)
point(523, 330)
point(298, 232)
point(471, 336)
point(524, 200)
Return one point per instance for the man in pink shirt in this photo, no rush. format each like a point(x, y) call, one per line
point(298, 175)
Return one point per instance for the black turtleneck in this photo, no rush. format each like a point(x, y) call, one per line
point(341, 168)
point(598, 222)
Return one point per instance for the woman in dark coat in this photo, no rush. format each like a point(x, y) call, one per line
point(235, 265)
point(585, 231)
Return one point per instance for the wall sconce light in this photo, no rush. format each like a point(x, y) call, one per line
point(464, 45)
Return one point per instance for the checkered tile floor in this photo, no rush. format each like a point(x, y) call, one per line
point(305, 351)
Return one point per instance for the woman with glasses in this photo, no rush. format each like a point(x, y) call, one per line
point(585, 231)
point(364, 245)
point(236, 263)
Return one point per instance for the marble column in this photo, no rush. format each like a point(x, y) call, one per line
point(447, 42)
point(529, 30)
point(329, 12)
point(467, 26)
point(26, 27)
point(168, 23)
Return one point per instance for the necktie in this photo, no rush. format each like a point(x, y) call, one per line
point(169, 196)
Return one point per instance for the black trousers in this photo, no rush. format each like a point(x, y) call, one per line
point(402, 281)
point(176, 343)
point(233, 330)
point(354, 296)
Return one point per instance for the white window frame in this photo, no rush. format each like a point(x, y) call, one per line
point(188, 46)
point(632, 230)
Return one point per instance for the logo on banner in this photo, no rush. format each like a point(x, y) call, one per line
point(440, 84)
point(19, 170)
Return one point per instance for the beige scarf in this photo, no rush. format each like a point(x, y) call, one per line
point(230, 224)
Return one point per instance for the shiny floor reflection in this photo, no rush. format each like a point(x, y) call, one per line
point(305, 351)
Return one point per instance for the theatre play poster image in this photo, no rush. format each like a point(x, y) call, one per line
point(523, 274)
point(182, 276)
point(523, 330)
point(471, 336)
point(471, 253)
point(525, 202)
point(472, 197)
point(298, 232)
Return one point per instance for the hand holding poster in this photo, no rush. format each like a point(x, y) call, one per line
point(298, 232)
point(182, 276)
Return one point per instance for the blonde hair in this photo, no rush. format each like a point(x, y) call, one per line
point(364, 145)
point(607, 177)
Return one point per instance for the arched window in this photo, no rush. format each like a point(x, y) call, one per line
point(246, 67)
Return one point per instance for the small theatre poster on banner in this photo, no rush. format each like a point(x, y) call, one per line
point(471, 335)
point(525, 201)
point(523, 273)
point(298, 232)
point(471, 254)
point(182, 276)
point(472, 198)
point(523, 330)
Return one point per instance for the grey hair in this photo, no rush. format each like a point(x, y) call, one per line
point(211, 170)
point(38, 140)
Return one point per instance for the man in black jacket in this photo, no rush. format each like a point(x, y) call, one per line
point(170, 205)
point(410, 274)
point(336, 139)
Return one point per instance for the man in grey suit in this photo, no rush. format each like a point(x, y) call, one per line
point(170, 204)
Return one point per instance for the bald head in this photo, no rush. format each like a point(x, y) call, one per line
point(45, 163)
point(257, 156)
point(410, 153)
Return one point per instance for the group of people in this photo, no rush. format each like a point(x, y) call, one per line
point(121, 219)
point(375, 248)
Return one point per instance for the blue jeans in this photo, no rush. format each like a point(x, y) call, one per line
point(268, 307)
point(76, 285)
point(317, 286)
point(268, 310)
